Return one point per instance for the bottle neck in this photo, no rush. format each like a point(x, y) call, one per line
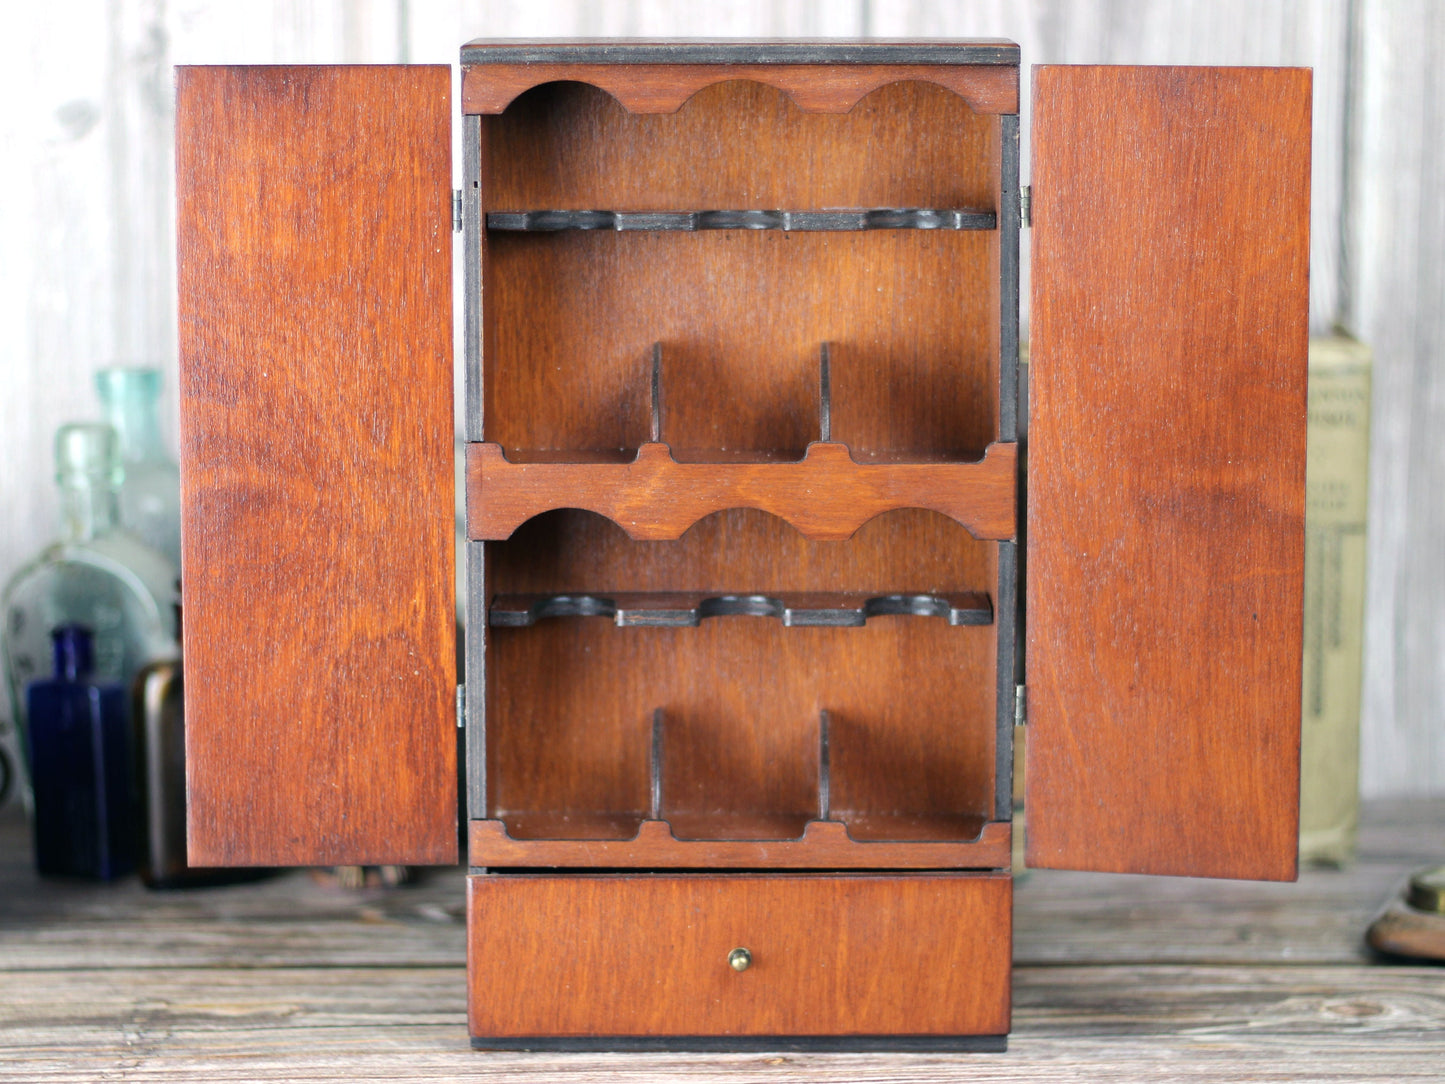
point(89, 507)
point(136, 422)
point(74, 652)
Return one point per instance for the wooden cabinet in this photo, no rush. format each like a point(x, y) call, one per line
point(744, 508)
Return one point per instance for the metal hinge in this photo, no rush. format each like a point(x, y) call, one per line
point(461, 707)
point(456, 210)
point(1021, 713)
point(1026, 205)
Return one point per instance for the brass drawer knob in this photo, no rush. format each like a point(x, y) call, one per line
point(739, 959)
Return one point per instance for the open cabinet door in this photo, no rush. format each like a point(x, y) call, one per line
point(1166, 469)
point(314, 238)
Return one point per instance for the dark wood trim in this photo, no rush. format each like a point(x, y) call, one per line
point(1008, 258)
point(871, 218)
point(1005, 617)
point(475, 637)
point(474, 242)
point(752, 1044)
point(627, 51)
point(680, 609)
point(1010, 598)
point(474, 248)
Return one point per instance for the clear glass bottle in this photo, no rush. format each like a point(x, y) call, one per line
point(96, 575)
point(81, 769)
point(150, 493)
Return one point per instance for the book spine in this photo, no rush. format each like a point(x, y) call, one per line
point(1337, 471)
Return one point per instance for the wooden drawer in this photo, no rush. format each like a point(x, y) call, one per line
point(636, 955)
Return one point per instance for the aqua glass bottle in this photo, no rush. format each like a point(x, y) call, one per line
point(81, 767)
point(150, 493)
point(96, 575)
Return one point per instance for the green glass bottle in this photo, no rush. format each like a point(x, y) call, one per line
point(150, 492)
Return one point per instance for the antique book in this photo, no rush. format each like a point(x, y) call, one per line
point(1336, 485)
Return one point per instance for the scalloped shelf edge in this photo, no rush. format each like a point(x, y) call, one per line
point(825, 495)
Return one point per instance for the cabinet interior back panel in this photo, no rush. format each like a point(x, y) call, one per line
point(741, 316)
point(570, 701)
point(739, 145)
point(911, 316)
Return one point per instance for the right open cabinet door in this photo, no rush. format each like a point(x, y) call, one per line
point(1165, 522)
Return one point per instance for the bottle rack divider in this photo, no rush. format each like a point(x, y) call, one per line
point(826, 842)
point(826, 495)
point(688, 610)
point(831, 221)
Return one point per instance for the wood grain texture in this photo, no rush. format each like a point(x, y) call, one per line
point(822, 845)
point(570, 703)
point(741, 316)
point(89, 265)
point(925, 954)
point(732, 491)
point(316, 464)
point(1166, 488)
point(826, 495)
point(741, 322)
point(570, 321)
point(736, 146)
point(1063, 919)
point(1131, 979)
point(664, 88)
point(570, 711)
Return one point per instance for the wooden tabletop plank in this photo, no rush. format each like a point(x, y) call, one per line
point(1137, 979)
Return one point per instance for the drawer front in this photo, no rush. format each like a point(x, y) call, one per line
point(616, 955)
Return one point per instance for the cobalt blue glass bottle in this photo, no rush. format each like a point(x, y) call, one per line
point(80, 766)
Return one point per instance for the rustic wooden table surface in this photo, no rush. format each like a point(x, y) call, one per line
point(1121, 978)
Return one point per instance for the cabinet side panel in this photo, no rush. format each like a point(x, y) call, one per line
point(1166, 479)
point(314, 233)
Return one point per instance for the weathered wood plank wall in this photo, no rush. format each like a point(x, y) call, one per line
point(1396, 231)
point(87, 237)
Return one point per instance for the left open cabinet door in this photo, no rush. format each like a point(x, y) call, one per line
point(314, 244)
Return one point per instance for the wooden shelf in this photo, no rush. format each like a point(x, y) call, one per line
point(852, 220)
point(826, 495)
point(688, 609)
point(721, 841)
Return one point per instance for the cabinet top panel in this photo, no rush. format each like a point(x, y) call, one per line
point(740, 51)
point(819, 76)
